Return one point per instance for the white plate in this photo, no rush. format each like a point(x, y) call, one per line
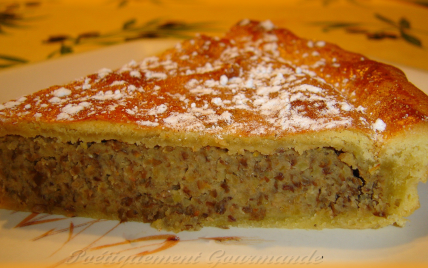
point(54, 243)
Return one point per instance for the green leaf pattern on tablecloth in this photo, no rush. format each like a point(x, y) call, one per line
point(397, 29)
point(130, 30)
point(14, 16)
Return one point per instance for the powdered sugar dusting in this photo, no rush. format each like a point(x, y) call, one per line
point(217, 86)
point(103, 73)
point(61, 92)
point(268, 25)
point(186, 121)
point(147, 123)
point(379, 125)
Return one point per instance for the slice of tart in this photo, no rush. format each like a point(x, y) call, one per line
point(257, 129)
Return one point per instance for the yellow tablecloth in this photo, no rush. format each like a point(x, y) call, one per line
point(395, 31)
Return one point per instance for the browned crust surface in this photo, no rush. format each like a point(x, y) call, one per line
point(258, 80)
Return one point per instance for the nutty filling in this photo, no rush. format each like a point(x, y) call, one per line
point(179, 188)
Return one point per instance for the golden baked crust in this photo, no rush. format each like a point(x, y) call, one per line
point(258, 89)
point(338, 90)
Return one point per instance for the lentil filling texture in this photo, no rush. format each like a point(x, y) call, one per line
point(178, 188)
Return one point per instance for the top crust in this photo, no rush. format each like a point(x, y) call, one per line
point(258, 88)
